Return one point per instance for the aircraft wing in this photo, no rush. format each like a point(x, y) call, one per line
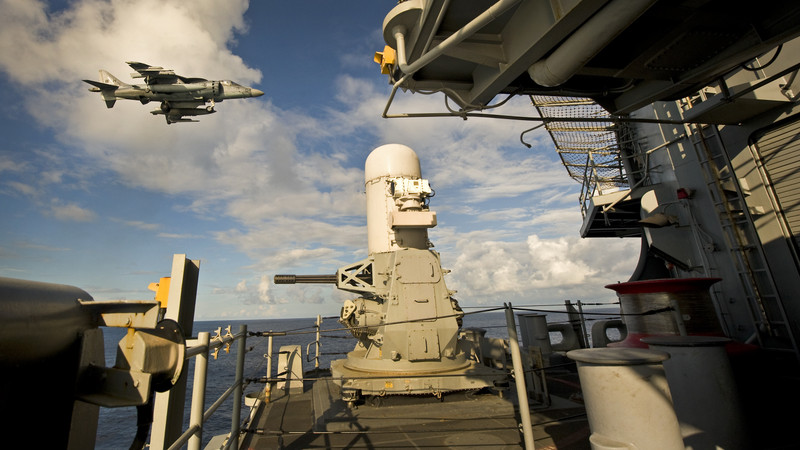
point(152, 72)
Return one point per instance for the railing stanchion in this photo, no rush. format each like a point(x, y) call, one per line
point(199, 392)
point(519, 378)
point(583, 325)
point(269, 364)
point(237, 392)
point(319, 325)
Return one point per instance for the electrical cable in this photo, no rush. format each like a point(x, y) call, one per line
point(766, 64)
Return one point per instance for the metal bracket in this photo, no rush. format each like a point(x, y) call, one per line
point(123, 313)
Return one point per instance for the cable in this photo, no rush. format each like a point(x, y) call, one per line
point(766, 64)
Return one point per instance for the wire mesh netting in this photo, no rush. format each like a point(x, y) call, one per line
point(589, 150)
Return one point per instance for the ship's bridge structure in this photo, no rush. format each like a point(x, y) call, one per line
point(678, 119)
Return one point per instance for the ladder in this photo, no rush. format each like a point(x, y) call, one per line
point(741, 239)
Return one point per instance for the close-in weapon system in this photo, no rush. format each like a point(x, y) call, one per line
point(406, 320)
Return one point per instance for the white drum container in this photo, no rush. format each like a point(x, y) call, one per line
point(627, 399)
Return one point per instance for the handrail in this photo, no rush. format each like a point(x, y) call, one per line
point(519, 379)
point(316, 343)
point(200, 349)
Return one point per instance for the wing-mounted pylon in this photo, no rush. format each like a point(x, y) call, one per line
point(175, 111)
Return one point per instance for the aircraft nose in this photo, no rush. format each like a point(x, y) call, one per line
point(256, 92)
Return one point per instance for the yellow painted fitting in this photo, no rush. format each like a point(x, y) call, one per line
point(386, 59)
point(162, 290)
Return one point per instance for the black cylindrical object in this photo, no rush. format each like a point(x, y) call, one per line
point(39, 319)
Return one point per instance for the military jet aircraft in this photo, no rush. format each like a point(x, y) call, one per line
point(179, 96)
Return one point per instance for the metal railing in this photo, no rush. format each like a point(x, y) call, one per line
point(200, 348)
point(516, 366)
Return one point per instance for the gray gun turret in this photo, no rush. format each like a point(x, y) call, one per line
point(406, 320)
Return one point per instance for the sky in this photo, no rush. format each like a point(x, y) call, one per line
point(102, 198)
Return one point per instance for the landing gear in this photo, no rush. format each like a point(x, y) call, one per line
point(210, 106)
point(165, 107)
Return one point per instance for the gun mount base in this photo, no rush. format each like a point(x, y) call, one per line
point(471, 376)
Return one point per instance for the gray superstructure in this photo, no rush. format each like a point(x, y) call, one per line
point(678, 119)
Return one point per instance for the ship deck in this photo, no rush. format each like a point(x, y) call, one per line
point(316, 418)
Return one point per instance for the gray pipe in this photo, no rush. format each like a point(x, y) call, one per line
point(587, 41)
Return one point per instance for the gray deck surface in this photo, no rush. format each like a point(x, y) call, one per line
point(316, 418)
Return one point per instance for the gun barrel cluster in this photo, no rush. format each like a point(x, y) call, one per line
point(309, 279)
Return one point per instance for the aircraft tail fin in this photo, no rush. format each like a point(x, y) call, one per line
point(108, 79)
point(107, 87)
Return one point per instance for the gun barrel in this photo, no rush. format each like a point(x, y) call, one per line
point(298, 279)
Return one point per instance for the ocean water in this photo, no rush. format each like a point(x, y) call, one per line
point(117, 426)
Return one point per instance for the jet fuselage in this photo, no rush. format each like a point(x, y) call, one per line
point(180, 92)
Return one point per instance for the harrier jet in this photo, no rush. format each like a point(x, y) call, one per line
point(179, 96)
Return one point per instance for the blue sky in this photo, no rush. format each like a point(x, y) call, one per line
point(102, 198)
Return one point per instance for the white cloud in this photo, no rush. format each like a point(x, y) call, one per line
point(8, 165)
point(540, 270)
point(71, 212)
point(137, 224)
point(178, 236)
point(23, 188)
point(263, 289)
point(241, 286)
point(38, 45)
point(555, 222)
